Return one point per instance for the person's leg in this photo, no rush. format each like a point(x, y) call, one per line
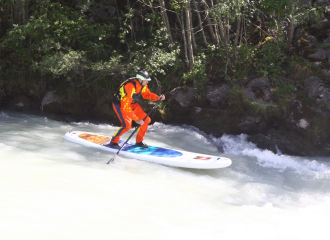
point(138, 110)
point(126, 124)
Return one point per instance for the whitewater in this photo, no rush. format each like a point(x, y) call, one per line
point(54, 189)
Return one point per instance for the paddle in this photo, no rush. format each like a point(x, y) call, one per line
point(113, 158)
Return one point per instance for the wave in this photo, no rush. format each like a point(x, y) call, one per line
point(238, 145)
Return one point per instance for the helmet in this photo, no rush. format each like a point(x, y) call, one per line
point(143, 75)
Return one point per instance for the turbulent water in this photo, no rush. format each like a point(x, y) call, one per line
point(55, 189)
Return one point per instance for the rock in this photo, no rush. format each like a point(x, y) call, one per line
point(103, 110)
point(20, 103)
point(50, 97)
point(322, 1)
point(325, 73)
point(181, 102)
point(218, 122)
point(322, 25)
point(263, 142)
point(306, 3)
point(215, 94)
point(291, 143)
point(327, 40)
point(317, 90)
point(299, 116)
point(312, 40)
point(318, 55)
point(102, 11)
point(77, 104)
point(183, 96)
point(259, 90)
point(52, 102)
point(303, 123)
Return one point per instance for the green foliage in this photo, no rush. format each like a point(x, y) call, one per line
point(264, 109)
point(246, 56)
point(300, 69)
point(198, 75)
point(319, 131)
point(157, 61)
point(60, 63)
point(238, 100)
point(270, 58)
point(64, 42)
point(284, 95)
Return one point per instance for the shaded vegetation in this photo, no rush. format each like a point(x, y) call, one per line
point(90, 44)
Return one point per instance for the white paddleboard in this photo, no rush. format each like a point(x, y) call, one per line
point(165, 156)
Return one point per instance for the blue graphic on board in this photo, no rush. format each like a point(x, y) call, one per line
point(151, 150)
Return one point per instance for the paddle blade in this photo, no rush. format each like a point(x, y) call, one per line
point(112, 159)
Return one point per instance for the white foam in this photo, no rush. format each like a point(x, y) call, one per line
point(54, 189)
point(3, 115)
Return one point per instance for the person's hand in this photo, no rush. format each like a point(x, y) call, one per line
point(162, 97)
point(140, 122)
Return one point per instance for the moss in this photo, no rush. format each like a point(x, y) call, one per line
point(319, 130)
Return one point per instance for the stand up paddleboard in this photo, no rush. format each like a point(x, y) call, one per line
point(159, 155)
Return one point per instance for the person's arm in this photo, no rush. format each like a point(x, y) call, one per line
point(146, 94)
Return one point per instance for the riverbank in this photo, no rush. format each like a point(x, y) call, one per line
point(297, 126)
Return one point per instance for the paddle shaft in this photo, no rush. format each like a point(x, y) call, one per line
point(136, 128)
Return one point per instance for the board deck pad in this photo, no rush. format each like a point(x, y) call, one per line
point(130, 147)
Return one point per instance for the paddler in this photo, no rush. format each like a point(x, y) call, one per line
point(127, 109)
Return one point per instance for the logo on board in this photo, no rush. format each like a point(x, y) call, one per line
point(202, 158)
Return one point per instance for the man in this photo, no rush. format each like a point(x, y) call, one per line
point(127, 109)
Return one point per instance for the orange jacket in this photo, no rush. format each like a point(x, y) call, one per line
point(126, 101)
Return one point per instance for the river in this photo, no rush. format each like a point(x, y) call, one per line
point(55, 189)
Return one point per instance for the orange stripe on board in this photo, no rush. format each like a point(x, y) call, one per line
point(94, 138)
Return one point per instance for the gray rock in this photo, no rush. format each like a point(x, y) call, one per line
point(319, 55)
point(20, 103)
point(215, 94)
point(324, 24)
point(183, 96)
point(316, 89)
point(322, 1)
point(327, 40)
point(50, 97)
point(307, 3)
point(52, 102)
point(263, 142)
point(325, 73)
point(181, 102)
point(259, 90)
point(312, 39)
point(292, 143)
point(102, 11)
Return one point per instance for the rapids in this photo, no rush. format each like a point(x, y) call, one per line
point(55, 189)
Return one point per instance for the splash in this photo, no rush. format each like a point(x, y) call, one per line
point(238, 145)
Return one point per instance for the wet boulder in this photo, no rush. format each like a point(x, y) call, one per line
point(259, 90)
point(20, 103)
point(77, 104)
point(299, 116)
point(319, 55)
point(319, 91)
point(181, 102)
point(263, 142)
point(292, 143)
point(218, 122)
point(215, 94)
point(52, 102)
point(103, 110)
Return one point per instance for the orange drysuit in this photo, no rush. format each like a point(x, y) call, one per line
point(127, 109)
